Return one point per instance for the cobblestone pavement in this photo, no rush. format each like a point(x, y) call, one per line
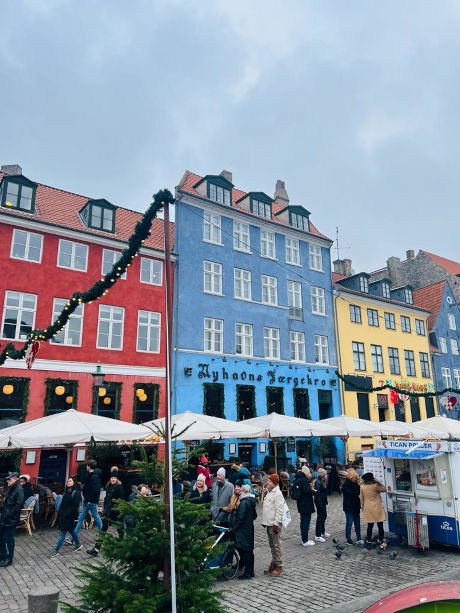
point(312, 578)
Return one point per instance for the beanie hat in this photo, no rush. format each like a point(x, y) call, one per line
point(221, 471)
point(201, 477)
point(274, 479)
point(203, 460)
point(368, 477)
point(239, 482)
point(322, 472)
point(114, 474)
point(306, 470)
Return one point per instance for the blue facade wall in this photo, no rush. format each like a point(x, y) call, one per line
point(192, 305)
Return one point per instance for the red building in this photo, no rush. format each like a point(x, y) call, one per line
point(55, 243)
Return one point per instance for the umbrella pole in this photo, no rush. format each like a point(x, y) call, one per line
point(275, 449)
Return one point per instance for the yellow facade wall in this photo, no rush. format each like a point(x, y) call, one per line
point(349, 332)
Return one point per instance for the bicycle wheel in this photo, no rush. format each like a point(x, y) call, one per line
point(230, 564)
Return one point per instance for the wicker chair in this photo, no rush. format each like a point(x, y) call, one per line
point(26, 520)
point(285, 484)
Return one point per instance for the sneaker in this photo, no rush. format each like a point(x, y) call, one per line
point(309, 543)
point(79, 548)
point(55, 554)
point(360, 542)
point(68, 540)
point(319, 539)
point(93, 552)
point(326, 535)
point(350, 542)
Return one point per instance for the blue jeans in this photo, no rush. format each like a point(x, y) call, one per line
point(74, 536)
point(305, 519)
point(353, 518)
point(90, 507)
point(7, 534)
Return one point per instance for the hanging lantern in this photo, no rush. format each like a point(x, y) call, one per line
point(143, 398)
point(107, 400)
point(102, 391)
point(59, 390)
point(140, 392)
point(8, 389)
point(69, 399)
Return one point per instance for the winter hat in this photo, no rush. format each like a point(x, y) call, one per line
point(322, 472)
point(201, 477)
point(221, 471)
point(239, 482)
point(368, 477)
point(203, 460)
point(26, 477)
point(274, 479)
point(114, 474)
point(12, 476)
point(306, 470)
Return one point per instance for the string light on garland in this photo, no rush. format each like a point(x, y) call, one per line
point(100, 288)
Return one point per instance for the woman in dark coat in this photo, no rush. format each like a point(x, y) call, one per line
point(351, 505)
point(305, 504)
point(113, 491)
point(67, 514)
point(200, 493)
point(243, 528)
point(321, 506)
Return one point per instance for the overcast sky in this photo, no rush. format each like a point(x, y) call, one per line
point(354, 104)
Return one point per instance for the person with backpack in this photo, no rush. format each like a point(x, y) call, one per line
point(67, 514)
point(302, 493)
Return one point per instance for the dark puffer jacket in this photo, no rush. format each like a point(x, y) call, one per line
point(350, 492)
point(321, 494)
point(305, 503)
point(11, 510)
point(243, 525)
point(68, 509)
point(112, 492)
point(92, 486)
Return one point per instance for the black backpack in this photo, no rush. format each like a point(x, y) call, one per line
point(296, 490)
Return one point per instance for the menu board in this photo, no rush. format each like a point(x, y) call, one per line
point(375, 466)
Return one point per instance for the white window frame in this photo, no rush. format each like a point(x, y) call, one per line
point(111, 321)
point(442, 345)
point(297, 345)
point(242, 282)
point(76, 315)
point(272, 343)
point(408, 296)
point(19, 309)
point(321, 349)
point(26, 257)
point(241, 237)
point(294, 294)
point(451, 321)
point(106, 258)
point(212, 271)
point(244, 340)
point(213, 331)
point(457, 377)
point(267, 244)
point(453, 346)
point(151, 263)
point(269, 290)
point(212, 228)
point(364, 285)
point(386, 290)
point(446, 376)
point(153, 330)
point(292, 248)
point(318, 302)
point(316, 258)
point(72, 255)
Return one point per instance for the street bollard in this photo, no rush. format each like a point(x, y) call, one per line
point(43, 600)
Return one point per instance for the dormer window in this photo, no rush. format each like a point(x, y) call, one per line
point(258, 207)
point(99, 215)
point(298, 221)
point(408, 296)
point(219, 194)
point(17, 192)
point(364, 285)
point(385, 290)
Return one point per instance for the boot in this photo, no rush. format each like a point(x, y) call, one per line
point(276, 571)
point(268, 570)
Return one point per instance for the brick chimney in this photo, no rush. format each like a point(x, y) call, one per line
point(343, 267)
point(281, 195)
point(11, 169)
point(227, 175)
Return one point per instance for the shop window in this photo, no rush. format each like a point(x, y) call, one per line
point(363, 406)
point(246, 402)
point(400, 411)
point(61, 395)
point(213, 399)
point(301, 403)
point(429, 406)
point(325, 403)
point(146, 401)
point(402, 475)
point(14, 395)
point(275, 400)
point(382, 404)
point(106, 400)
point(415, 409)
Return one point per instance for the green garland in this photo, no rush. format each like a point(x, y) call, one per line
point(25, 395)
point(140, 234)
point(399, 390)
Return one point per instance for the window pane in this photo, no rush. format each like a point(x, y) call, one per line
point(26, 198)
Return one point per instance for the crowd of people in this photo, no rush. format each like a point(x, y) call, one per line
point(232, 503)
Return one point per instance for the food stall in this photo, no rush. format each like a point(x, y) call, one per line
point(423, 489)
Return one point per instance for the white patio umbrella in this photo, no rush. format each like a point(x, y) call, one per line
point(352, 426)
point(188, 426)
point(393, 427)
point(440, 423)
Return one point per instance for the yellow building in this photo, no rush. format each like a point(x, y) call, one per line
point(382, 338)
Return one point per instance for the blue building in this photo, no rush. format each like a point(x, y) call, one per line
point(444, 331)
point(253, 311)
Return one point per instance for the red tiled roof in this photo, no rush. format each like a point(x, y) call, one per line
point(60, 208)
point(449, 265)
point(337, 277)
point(430, 297)
point(190, 179)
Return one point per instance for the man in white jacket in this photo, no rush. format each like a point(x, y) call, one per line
point(272, 516)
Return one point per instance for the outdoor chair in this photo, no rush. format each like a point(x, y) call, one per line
point(26, 519)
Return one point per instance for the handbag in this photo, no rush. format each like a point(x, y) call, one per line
point(286, 516)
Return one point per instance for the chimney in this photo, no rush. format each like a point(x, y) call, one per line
point(227, 175)
point(343, 267)
point(281, 195)
point(11, 169)
point(410, 254)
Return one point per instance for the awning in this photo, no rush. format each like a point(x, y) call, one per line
point(407, 454)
